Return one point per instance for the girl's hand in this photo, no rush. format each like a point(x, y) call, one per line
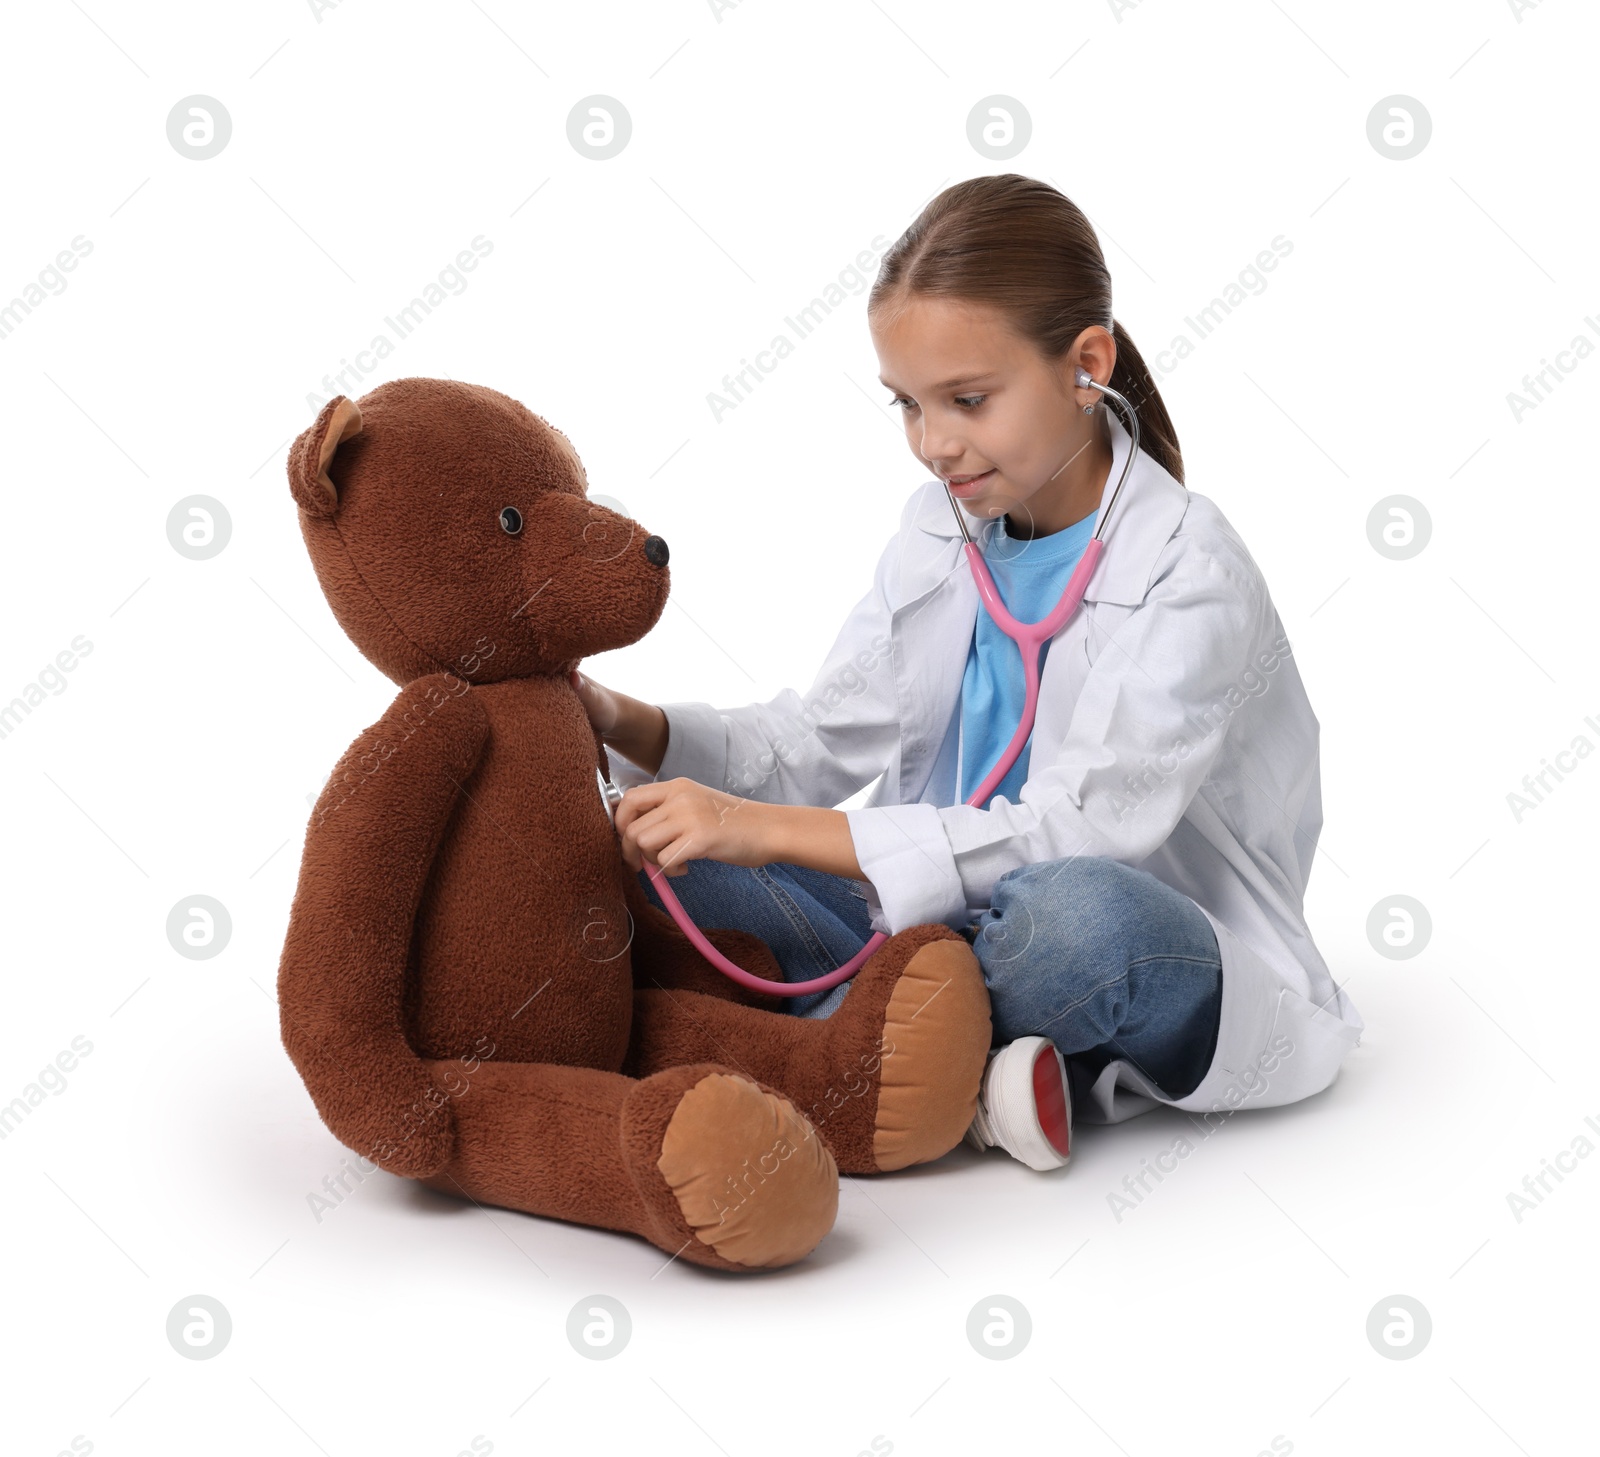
point(680, 820)
point(638, 731)
point(598, 701)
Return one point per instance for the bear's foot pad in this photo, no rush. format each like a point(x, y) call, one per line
point(936, 1034)
point(750, 1176)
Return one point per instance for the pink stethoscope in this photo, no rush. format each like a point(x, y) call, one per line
point(1029, 637)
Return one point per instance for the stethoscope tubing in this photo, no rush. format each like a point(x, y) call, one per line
point(658, 878)
point(1029, 637)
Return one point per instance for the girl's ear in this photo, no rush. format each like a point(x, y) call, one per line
point(312, 452)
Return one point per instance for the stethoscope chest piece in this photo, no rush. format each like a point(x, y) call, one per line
point(610, 795)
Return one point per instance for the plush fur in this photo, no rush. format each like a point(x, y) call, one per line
point(473, 986)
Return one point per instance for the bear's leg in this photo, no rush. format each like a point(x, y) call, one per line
point(699, 1160)
point(890, 1079)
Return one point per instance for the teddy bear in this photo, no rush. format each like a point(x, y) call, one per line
point(474, 987)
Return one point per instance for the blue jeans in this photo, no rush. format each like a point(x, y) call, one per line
point(1105, 960)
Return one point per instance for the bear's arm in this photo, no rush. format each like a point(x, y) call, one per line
point(369, 849)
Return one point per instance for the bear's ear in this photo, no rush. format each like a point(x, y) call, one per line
point(309, 483)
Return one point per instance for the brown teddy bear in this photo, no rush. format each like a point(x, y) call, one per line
point(474, 986)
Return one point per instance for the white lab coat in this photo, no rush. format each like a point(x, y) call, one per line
point(1176, 668)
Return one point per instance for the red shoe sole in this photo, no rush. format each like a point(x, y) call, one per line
point(1050, 1100)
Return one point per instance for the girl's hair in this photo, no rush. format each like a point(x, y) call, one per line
point(1019, 245)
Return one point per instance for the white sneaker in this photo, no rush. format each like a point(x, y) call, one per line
point(1025, 1104)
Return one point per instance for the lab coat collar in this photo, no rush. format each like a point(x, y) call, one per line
point(1147, 514)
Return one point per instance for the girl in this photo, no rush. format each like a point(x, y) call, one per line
point(1133, 887)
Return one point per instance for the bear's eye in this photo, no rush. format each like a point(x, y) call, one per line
point(510, 520)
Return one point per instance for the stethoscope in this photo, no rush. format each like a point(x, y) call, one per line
point(1029, 638)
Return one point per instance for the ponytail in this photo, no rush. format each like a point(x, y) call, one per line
point(1132, 379)
point(1019, 245)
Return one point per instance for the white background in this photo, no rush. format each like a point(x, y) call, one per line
point(770, 145)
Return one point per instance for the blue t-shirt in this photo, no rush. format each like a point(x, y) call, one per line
point(1031, 574)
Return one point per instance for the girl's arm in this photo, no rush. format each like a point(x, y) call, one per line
point(1136, 751)
point(674, 821)
point(636, 730)
point(797, 834)
point(819, 839)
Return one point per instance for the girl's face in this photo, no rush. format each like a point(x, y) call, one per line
point(987, 413)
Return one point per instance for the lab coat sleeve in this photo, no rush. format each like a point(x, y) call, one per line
point(816, 748)
point(1145, 731)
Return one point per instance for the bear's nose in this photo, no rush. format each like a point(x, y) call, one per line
point(655, 551)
